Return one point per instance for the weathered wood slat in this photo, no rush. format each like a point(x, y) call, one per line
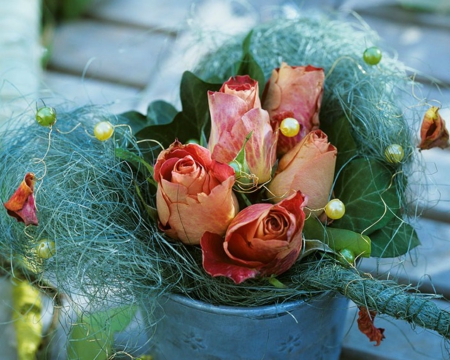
point(117, 54)
point(20, 53)
point(435, 12)
point(167, 15)
point(74, 91)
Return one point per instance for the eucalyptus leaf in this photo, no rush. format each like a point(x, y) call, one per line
point(369, 191)
point(395, 239)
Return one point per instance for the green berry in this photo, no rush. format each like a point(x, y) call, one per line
point(372, 55)
point(45, 249)
point(346, 257)
point(394, 153)
point(46, 116)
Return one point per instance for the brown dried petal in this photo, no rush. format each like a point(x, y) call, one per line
point(433, 132)
point(365, 325)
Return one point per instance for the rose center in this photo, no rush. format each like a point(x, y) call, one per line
point(189, 173)
point(274, 226)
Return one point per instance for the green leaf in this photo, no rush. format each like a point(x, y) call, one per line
point(394, 239)
point(151, 211)
point(192, 122)
point(311, 246)
point(92, 336)
point(337, 239)
point(247, 65)
point(135, 160)
point(339, 133)
point(247, 42)
point(369, 192)
point(134, 119)
point(160, 113)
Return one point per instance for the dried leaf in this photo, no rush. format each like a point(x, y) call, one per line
point(21, 204)
point(365, 325)
point(433, 132)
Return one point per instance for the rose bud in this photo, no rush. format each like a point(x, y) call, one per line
point(308, 167)
point(21, 204)
point(262, 240)
point(235, 113)
point(194, 193)
point(433, 132)
point(294, 92)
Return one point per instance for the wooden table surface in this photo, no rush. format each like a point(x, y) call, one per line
point(126, 53)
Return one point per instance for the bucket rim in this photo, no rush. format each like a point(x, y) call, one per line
point(257, 311)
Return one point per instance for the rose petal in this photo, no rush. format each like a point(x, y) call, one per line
point(271, 255)
point(308, 167)
point(244, 87)
point(21, 204)
point(190, 217)
point(294, 91)
point(217, 263)
point(366, 325)
point(433, 132)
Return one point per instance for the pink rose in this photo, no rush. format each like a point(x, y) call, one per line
point(194, 193)
point(308, 167)
point(294, 91)
point(262, 240)
point(433, 132)
point(235, 113)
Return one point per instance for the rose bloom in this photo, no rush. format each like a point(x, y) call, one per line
point(194, 193)
point(262, 240)
point(308, 167)
point(294, 91)
point(235, 113)
point(433, 132)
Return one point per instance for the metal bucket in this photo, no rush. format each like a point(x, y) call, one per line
point(194, 330)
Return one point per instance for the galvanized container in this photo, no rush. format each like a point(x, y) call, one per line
point(194, 330)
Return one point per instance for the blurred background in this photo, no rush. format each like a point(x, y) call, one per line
point(125, 53)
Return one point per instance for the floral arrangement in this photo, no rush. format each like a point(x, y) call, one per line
point(282, 170)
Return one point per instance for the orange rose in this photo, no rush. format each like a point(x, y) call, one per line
point(194, 193)
point(235, 113)
point(308, 167)
point(294, 91)
point(433, 132)
point(262, 240)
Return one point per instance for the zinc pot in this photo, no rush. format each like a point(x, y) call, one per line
point(300, 330)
